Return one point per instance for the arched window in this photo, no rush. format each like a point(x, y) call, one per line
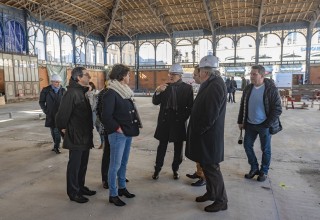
point(67, 50)
point(113, 54)
point(270, 48)
point(203, 48)
point(184, 52)
point(53, 47)
point(293, 43)
point(90, 53)
point(246, 49)
point(99, 55)
point(315, 46)
point(164, 53)
point(15, 37)
point(146, 54)
point(128, 55)
point(36, 43)
point(225, 50)
point(80, 51)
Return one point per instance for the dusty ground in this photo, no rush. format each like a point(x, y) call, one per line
point(32, 178)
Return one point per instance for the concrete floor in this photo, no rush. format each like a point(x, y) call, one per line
point(33, 185)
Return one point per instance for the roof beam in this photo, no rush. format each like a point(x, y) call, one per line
point(112, 16)
point(316, 17)
point(260, 14)
point(207, 7)
point(158, 14)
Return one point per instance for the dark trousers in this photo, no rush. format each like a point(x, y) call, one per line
point(215, 185)
point(233, 96)
point(76, 171)
point(56, 137)
point(105, 160)
point(161, 153)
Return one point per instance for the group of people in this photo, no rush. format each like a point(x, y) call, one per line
point(259, 113)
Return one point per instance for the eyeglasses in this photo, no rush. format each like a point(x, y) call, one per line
point(56, 81)
point(173, 74)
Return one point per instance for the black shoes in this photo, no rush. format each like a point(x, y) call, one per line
point(105, 185)
point(155, 175)
point(216, 207)
point(79, 199)
point(57, 150)
point(193, 176)
point(251, 174)
point(262, 177)
point(200, 182)
point(86, 191)
point(176, 175)
point(116, 201)
point(204, 198)
point(125, 192)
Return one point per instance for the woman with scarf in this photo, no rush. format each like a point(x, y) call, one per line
point(121, 121)
point(175, 99)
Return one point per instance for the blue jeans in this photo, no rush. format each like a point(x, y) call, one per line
point(251, 133)
point(56, 137)
point(119, 155)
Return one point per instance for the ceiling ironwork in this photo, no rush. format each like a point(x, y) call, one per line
point(132, 17)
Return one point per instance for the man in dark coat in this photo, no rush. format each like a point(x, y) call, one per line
point(175, 99)
point(205, 137)
point(49, 101)
point(259, 114)
point(74, 120)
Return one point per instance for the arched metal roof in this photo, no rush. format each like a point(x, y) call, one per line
point(132, 17)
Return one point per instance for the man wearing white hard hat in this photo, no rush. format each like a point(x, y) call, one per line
point(175, 99)
point(49, 102)
point(205, 136)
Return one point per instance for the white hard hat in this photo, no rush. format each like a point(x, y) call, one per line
point(56, 77)
point(176, 68)
point(209, 61)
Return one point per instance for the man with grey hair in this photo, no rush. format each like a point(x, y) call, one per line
point(259, 113)
point(205, 135)
point(49, 101)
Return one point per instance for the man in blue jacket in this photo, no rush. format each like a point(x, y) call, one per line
point(74, 120)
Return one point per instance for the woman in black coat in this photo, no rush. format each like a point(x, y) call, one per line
point(121, 121)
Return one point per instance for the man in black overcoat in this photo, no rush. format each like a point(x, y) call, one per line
point(205, 137)
point(175, 99)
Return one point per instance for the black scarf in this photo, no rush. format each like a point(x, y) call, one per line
point(172, 100)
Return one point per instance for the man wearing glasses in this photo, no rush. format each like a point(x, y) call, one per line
point(49, 101)
point(74, 121)
point(175, 99)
